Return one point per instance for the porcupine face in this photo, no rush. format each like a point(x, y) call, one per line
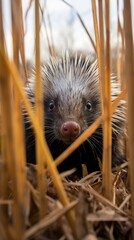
point(72, 99)
point(72, 103)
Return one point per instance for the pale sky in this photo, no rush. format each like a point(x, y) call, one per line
point(66, 28)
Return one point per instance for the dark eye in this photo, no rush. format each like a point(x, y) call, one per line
point(89, 105)
point(51, 105)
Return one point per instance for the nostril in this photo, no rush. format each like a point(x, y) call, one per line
point(65, 128)
point(76, 128)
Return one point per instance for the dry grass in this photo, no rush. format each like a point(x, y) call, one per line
point(37, 202)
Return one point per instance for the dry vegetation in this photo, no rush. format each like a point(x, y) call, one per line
point(37, 202)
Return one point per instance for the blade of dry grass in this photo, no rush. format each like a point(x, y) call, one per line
point(98, 48)
point(1, 27)
point(40, 115)
point(10, 156)
point(96, 27)
point(120, 50)
point(102, 50)
point(107, 142)
point(2, 36)
point(101, 56)
point(22, 49)
point(4, 142)
point(129, 68)
point(18, 132)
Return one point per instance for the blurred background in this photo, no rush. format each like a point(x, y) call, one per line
point(61, 25)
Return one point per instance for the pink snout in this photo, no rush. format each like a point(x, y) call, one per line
point(70, 130)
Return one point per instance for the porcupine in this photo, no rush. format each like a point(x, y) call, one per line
point(71, 91)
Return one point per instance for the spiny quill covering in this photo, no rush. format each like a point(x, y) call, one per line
point(72, 103)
